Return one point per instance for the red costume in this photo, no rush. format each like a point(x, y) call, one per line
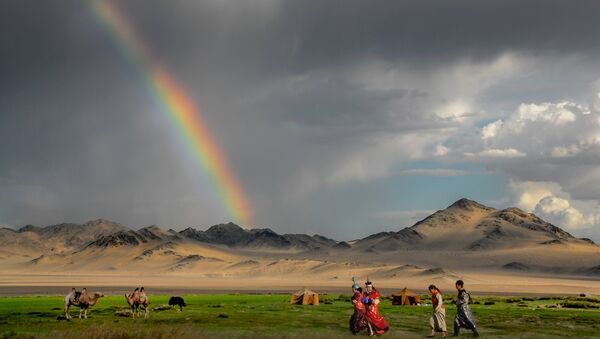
point(375, 319)
point(358, 321)
point(358, 305)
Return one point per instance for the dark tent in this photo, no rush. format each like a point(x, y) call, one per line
point(304, 297)
point(406, 297)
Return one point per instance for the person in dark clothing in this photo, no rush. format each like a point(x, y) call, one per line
point(464, 316)
point(358, 320)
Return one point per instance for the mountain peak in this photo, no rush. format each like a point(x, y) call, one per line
point(28, 228)
point(153, 232)
point(152, 228)
point(227, 228)
point(468, 204)
point(101, 221)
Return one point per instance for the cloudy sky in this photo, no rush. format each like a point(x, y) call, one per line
point(338, 117)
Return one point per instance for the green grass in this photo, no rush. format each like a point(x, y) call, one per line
point(270, 316)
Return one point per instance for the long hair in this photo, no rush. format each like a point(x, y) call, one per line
point(433, 287)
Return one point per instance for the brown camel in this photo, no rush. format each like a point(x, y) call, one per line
point(81, 300)
point(136, 300)
point(132, 301)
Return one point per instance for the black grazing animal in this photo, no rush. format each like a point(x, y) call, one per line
point(174, 301)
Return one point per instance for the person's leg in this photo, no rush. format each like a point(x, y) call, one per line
point(475, 333)
point(456, 328)
point(432, 325)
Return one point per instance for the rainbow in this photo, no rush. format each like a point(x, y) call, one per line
point(178, 108)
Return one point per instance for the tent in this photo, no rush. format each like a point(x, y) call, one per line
point(406, 297)
point(305, 297)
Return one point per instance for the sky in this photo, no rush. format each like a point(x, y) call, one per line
point(342, 118)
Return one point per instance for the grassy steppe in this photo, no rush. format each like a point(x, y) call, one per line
point(270, 316)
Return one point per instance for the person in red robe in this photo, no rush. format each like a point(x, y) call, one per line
point(358, 321)
point(377, 324)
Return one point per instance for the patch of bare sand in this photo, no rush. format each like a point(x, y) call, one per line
point(483, 283)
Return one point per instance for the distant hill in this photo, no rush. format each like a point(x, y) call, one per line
point(233, 235)
point(60, 238)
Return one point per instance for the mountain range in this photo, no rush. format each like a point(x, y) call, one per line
point(465, 236)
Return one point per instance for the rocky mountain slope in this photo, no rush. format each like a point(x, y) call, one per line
point(467, 225)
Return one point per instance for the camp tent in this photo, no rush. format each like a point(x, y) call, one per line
point(304, 297)
point(406, 297)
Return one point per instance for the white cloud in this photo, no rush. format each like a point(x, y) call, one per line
point(455, 110)
point(551, 203)
point(498, 153)
point(529, 193)
point(560, 212)
point(560, 113)
point(547, 142)
point(441, 150)
point(491, 129)
point(563, 152)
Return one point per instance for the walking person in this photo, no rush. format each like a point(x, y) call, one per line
point(464, 316)
point(376, 322)
point(358, 320)
point(438, 314)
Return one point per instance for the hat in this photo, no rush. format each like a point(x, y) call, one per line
point(355, 285)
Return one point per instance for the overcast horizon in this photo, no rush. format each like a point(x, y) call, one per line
point(342, 118)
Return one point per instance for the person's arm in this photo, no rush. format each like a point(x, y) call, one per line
point(375, 299)
point(460, 299)
point(439, 304)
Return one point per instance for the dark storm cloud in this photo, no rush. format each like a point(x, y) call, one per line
point(277, 82)
point(290, 36)
point(44, 42)
point(437, 31)
point(265, 39)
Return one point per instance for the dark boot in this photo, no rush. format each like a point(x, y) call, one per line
point(456, 330)
point(475, 333)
